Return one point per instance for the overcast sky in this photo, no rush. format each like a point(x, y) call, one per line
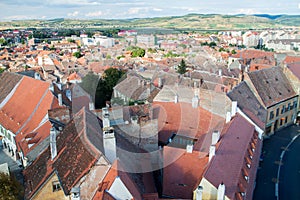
point(120, 9)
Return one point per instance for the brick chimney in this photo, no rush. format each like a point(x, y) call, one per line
point(53, 143)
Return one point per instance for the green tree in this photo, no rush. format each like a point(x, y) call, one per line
point(89, 84)
point(3, 41)
point(10, 188)
point(105, 86)
point(77, 54)
point(181, 67)
point(233, 51)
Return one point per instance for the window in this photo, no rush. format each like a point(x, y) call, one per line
point(271, 115)
point(289, 107)
point(283, 109)
point(286, 119)
point(277, 112)
point(56, 186)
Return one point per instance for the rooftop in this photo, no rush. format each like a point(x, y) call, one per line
point(271, 85)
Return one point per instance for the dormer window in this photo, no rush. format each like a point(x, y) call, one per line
point(246, 178)
point(248, 165)
point(56, 186)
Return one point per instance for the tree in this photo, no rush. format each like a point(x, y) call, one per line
point(105, 86)
point(89, 84)
point(3, 41)
point(233, 51)
point(10, 188)
point(77, 54)
point(181, 67)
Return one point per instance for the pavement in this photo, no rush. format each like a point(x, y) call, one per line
point(289, 177)
point(12, 164)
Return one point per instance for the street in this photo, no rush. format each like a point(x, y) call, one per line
point(289, 179)
point(13, 165)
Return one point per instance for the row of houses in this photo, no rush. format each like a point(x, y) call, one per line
point(175, 145)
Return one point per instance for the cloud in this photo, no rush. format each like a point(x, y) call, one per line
point(247, 11)
point(299, 5)
point(19, 17)
point(157, 9)
point(94, 14)
point(72, 3)
point(136, 10)
point(73, 14)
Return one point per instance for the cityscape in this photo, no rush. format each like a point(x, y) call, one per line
point(149, 100)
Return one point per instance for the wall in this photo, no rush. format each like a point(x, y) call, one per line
point(46, 192)
point(286, 115)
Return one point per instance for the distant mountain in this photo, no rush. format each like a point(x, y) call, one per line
point(268, 16)
point(191, 21)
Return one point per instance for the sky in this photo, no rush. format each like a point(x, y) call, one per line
point(125, 9)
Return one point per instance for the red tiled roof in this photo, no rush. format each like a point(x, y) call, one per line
point(295, 69)
point(184, 173)
point(228, 165)
point(27, 108)
point(271, 85)
point(291, 59)
point(184, 120)
point(72, 161)
point(117, 171)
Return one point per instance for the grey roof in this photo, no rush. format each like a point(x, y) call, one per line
point(7, 83)
point(248, 103)
point(272, 85)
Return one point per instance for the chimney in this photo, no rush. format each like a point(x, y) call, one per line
point(160, 84)
point(220, 72)
point(228, 117)
point(69, 94)
point(59, 85)
point(189, 148)
point(105, 117)
point(212, 152)
point(195, 101)
point(59, 96)
point(215, 137)
point(233, 108)
point(91, 106)
point(199, 192)
point(109, 144)
point(176, 98)
point(51, 87)
point(37, 76)
point(221, 192)
point(53, 143)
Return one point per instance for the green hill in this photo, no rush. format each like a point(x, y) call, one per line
point(190, 21)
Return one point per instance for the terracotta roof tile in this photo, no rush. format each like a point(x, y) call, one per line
point(295, 69)
point(117, 171)
point(7, 82)
point(229, 163)
point(272, 85)
point(72, 161)
point(249, 104)
point(184, 120)
point(184, 172)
